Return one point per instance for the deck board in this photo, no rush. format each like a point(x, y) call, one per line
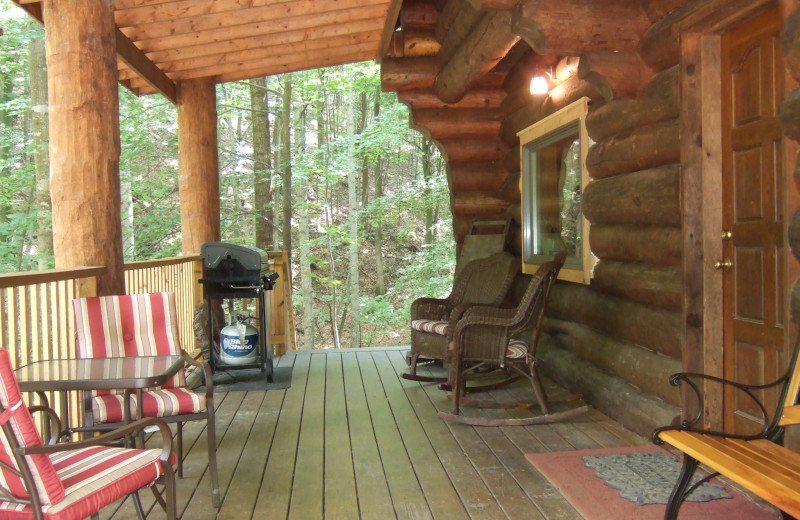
point(350, 439)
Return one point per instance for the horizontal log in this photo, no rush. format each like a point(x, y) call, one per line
point(647, 197)
point(493, 5)
point(520, 120)
point(476, 56)
point(625, 72)
point(657, 245)
point(645, 147)
point(416, 43)
point(660, 44)
point(408, 73)
point(551, 28)
point(639, 366)
point(510, 189)
point(655, 9)
point(464, 123)
point(659, 286)
point(659, 100)
point(464, 150)
point(418, 14)
point(790, 44)
point(478, 202)
point(512, 159)
point(489, 176)
point(475, 98)
point(517, 99)
point(573, 89)
point(659, 330)
point(611, 395)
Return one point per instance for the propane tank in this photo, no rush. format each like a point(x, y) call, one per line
point(239, 342)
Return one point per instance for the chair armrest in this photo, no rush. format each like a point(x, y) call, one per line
point(770, 430)
point(430, 309)
point(53, 420)
point(208, 374)
point(118, 433)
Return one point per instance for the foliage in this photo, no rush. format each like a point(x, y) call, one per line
point(340, 121)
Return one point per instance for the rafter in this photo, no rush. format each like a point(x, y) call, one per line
point(135, 59)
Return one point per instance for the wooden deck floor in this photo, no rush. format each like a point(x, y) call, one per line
point(351, 440)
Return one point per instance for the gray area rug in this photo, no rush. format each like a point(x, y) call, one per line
point(648, 478)
point(250, 379)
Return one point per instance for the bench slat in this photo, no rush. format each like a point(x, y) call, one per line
point(751, 464)
point(790, 415)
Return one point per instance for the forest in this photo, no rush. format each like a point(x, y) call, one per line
point(319, 163)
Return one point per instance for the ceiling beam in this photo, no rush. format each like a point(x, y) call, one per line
point(136, 60)
point(389, 27)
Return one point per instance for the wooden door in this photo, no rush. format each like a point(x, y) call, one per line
point(752, 191)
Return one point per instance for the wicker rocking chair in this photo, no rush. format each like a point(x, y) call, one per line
point(481, 282)
point(484, 338)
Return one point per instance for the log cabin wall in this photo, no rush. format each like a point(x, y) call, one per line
point(617, 340)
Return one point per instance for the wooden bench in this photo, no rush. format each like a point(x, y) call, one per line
point(758, 463)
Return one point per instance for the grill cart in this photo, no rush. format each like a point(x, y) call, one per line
point(234, 272)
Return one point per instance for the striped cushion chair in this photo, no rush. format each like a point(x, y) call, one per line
point(72, 480)
point(144, 325)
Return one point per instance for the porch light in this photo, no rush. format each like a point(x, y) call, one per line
point(539, 85)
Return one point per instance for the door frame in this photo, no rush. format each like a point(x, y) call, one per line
point(701, 195)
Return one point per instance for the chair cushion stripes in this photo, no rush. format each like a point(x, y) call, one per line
point(128, 325)
point(163, 402)
point(434, 326)
point(93, 477)
point(517, 349)
point(48, 485)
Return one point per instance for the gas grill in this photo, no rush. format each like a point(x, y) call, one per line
point(232, 271)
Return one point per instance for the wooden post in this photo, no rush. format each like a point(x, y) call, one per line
point(84, 138)
point(198, 163)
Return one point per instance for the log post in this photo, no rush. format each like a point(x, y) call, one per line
point(198, 163)
point(554, 27)
point(84, 138)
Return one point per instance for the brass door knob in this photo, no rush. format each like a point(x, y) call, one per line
point(723, 264)
point(726, 235)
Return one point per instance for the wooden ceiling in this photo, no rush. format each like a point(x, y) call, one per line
point(163, 42)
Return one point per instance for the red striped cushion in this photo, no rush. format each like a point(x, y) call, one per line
point(128, 325)
point(155, 403)
point(437, 327)
point(94, 477)
point(48, 485)
point(516, 349)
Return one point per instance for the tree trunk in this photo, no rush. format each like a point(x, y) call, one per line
point(380, 281)
point(427, 171)
point(41, 129)
point(262, 164)
point(354, 128)
point(286, 165)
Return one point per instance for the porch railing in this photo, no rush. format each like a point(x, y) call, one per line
point(179, 275)
point(36, 321)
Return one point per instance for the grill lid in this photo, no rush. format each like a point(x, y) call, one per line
point(216, 253)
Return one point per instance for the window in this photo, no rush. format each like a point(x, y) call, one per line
point(553, 178)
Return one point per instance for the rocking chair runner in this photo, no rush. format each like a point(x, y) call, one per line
point(483, 337)
point(481, 282)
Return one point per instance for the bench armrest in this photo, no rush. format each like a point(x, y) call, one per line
point(771, 429)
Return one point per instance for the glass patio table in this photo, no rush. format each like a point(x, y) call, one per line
point(121, 373)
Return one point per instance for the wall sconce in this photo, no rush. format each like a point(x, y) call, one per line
point(539, 84)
